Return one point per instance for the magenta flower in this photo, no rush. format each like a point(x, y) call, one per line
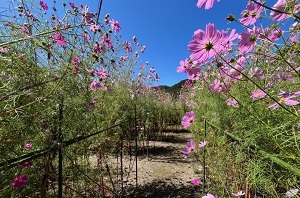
point(252, 13)
point(59, 39)
point(75, 69)
point(248, 40)
point(208, 3)
point(285, 98)
point(284, 6)
point(202, 144)
point(256, 73)
point(27, 145)
point(273, 34)
point(102, 74)
point(76, 60)
point(189, 147)
point(27, 164)
point(284, 76)
point(115, 25)
point(100, 47)
point(227, 40)
point(44, 5)
point(20, 181)
point(4, 50)
point(291, 193)
point(232, 102)
point(238, 194)
point(94, 27)
point(188, 119)
point(25, 30)
point(218, 86)
point(94, 85)
point(205, 44)
point(209, 196)
point(127, 47)
point(196, 182)
point(107, 40)
point(91, 107)
point(184, 65)
point(86, 36)
point(258, 94)
point(87, 16)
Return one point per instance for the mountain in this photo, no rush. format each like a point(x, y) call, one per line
point(174, 89)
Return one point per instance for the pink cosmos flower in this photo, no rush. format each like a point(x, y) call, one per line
point(258, 94)
point(256, 73)
point(208, 3)
point(205, 44)
point(91, 71)
point(196, 182)
point(227, 40)
point(94, 27)
point(235, 73)
point(127, 47)
point(184, 64)
point(284, 76)
point(106, 88)
point(202, 144)
point(91, 107)
point(100, 47)
point(27, 145)
point(189, 147)
point(285, 98)
point(274, 34)
point(232, 102)
point(115, 25)
point(209, 196)
point(107, 40)
point(284, 6)
point(4, 50)
point(102, 74)
point(218, 86)
point(94, 85)
point(87, 16)
point(248, 40)
point(25, 30)
point(188, 119)
point(75, 60)
point(44, 5)
point(252, 13)
point(75, 69)
point(238, 194)
point(86, 36)
point(291, 193)
point(294, 39)
point(27, 164)
point(20, 181)
point(59, 39)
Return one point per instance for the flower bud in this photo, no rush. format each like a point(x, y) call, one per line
point(230, 17)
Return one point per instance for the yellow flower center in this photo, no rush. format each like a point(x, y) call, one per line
point(282, 99)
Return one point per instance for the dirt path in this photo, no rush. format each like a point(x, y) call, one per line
point(164, 173)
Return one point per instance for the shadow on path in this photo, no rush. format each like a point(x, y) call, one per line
point(162, 189)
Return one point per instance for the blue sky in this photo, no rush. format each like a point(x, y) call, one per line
point(166, 27)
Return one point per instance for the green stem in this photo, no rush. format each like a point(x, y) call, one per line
point(271, 157)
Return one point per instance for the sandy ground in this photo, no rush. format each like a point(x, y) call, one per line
point(162, 169)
